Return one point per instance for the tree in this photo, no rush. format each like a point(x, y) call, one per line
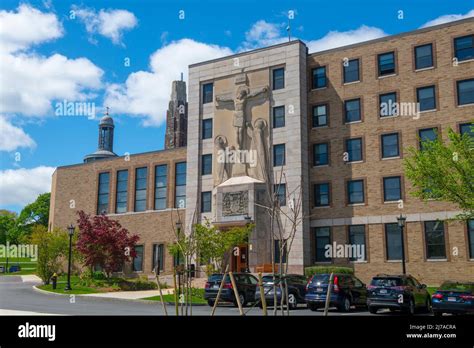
point(7, 226)
point(36, 212)
point(104, 242)
point(444, 171)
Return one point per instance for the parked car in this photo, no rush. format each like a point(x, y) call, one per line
point(347, 291)
point(454, 297)
point(397, 292)
point(296, 289)
point(246, 286)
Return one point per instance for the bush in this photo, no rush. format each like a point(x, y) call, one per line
point(309, 271)
point(136, 285)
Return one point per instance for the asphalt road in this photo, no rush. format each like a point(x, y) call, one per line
point(16, 295)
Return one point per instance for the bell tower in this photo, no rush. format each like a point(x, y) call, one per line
point(106, 140)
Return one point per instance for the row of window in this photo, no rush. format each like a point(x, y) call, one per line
point(386, 62)
point(158, 258)
point(434, 239)
point(141, 183)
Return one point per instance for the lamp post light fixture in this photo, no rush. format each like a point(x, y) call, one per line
point(401, 224)
point(248, 220)
point(70, 231)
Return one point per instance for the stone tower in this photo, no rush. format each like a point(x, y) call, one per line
point(105, 147)
point(177, 116)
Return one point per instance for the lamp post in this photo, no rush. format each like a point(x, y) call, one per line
point(248, 219)
point(70, 231)
point(401, 223)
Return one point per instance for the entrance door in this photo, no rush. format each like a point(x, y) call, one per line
point(240, 259)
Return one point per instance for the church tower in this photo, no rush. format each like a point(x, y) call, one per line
point(106, 140)
point(177, 116)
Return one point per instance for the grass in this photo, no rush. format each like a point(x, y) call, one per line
point(170, 298)
point(27, 266)
point(76, 289)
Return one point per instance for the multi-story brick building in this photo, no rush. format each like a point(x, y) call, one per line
point(325, 120)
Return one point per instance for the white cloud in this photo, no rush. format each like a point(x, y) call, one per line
point(448, 18)
point(110, 23)
point(13, 137)
point(146, 93)
point(22, 186)
point(337, 38)
point(262, 34)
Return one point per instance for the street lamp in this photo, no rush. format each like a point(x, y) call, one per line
point(401, 223)
point(70, 231)
point(248, 219)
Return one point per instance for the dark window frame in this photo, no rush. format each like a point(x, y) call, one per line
point(100, 194)
point(328, 238)
point(314, 154)
point(315, 78)
point(317, 194)
point(345, 71)
point(348, 191)
point(316, 117)
point(206, 164)
point(388, 253)
point(384, 136)
point(275, 117)
point(471, 54)
point(458, 94)
point(400, 188)
point(137, 178)
point(206, 132)
point(380, 72)
point(346, 102)
point(157, 176)
point(426, 231)
point(350, 239)
point(350, 156)
point(275, 149)
point(277, 80)
point(380, 103)
point(207, 95)
point(435, 102)
point(416, 57)
point(178, 166)
point(206, 204)
point(118, 191)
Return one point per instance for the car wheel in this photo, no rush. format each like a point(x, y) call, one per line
point(242, 300)
point(373, 310)
point(292, 301)
point(428, 308)
point(210, 303)
point(345, 306)
point(411, 307)
point(312, 307)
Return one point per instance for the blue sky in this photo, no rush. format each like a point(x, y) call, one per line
point(51, 54)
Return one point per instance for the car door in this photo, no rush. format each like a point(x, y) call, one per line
point(360, 290)
point(252, 286)
point(300, 282)
point(420, 293)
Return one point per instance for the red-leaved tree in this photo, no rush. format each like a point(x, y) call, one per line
point(104, 242)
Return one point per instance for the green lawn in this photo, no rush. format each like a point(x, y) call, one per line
point(170, 298)
point(27, 266)
point(76, 289)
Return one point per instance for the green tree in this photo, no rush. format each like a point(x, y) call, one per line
point(36, 213)
point(7, 225)
point(444, 171)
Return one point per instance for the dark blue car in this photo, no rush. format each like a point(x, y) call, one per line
point(246, 286)
point(453, 297)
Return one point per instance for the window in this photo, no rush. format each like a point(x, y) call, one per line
point(121, 195)
point(465, 92)
point(138, 259)
point(277, 247)
point(207, 93)
point(322, 238)
point(426, 98)
point(464, 48)
point(386, 63)
point(434, 238)
point(466, 128)
point(352, 110)
point(392, 188)
point(354, 149)
point(357, 241)
point(158, 256)
point(424, 56)
point(278, 78)
point(279, 116)
point(280, 193)
point(206, 199)
point(207, 128)
point(390, 147)
point(180, 185)
point(470, 235)
point(426, 135)
point(161, 185)
point(320, 115)
point(393, 241)
point(388, 104)
point(140, 188)
point(351, 71)
point(319, 77)
point(320, 154)
point(103, 194)
point(279, 155)
point(355, 191)
point(206, 164)
point(321, 195)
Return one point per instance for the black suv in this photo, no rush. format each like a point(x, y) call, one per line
point(397, 292)
point(246, 286)
point(296, 289)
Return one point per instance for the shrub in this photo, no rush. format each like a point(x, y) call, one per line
point(309, 271)
point(136, 285)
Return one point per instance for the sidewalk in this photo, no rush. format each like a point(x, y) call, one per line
point(130, 295)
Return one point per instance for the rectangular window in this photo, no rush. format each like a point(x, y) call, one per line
point(138, 259)
point(180, 185)
point(357, 241)
point(206, 200)
point(466, 128)
point(388, 104)
point(207, 92)
point(392, 188)
point(354, 149)
point(278, 78)
point(427, 135)
point(277, 252)
point(393, 241)
point(470, 235)
point(206, 164)
point(322, 238)
point(159, 256)
point(279, 155)
point(465, 92)
point(121, 195)
point(207, 128)
point(320, 115)
point(280, 193)
point(320, 154)
point(352, 110)
point(351, 71)
point(103, 194)
point(464, 48)
point(426, 98)
point(161, 186)
point(355, 191)
point(140, 188)
point(424, 56)
point(321, 195)
point(434, 238)
point(279, 116)
point(390, 146)
point(386, 63)
point(319, 77)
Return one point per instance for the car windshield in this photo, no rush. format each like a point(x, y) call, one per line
point(321, 278)
point(457, 286)
point(386, 282)
point(269, 278)
point(217, 278)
